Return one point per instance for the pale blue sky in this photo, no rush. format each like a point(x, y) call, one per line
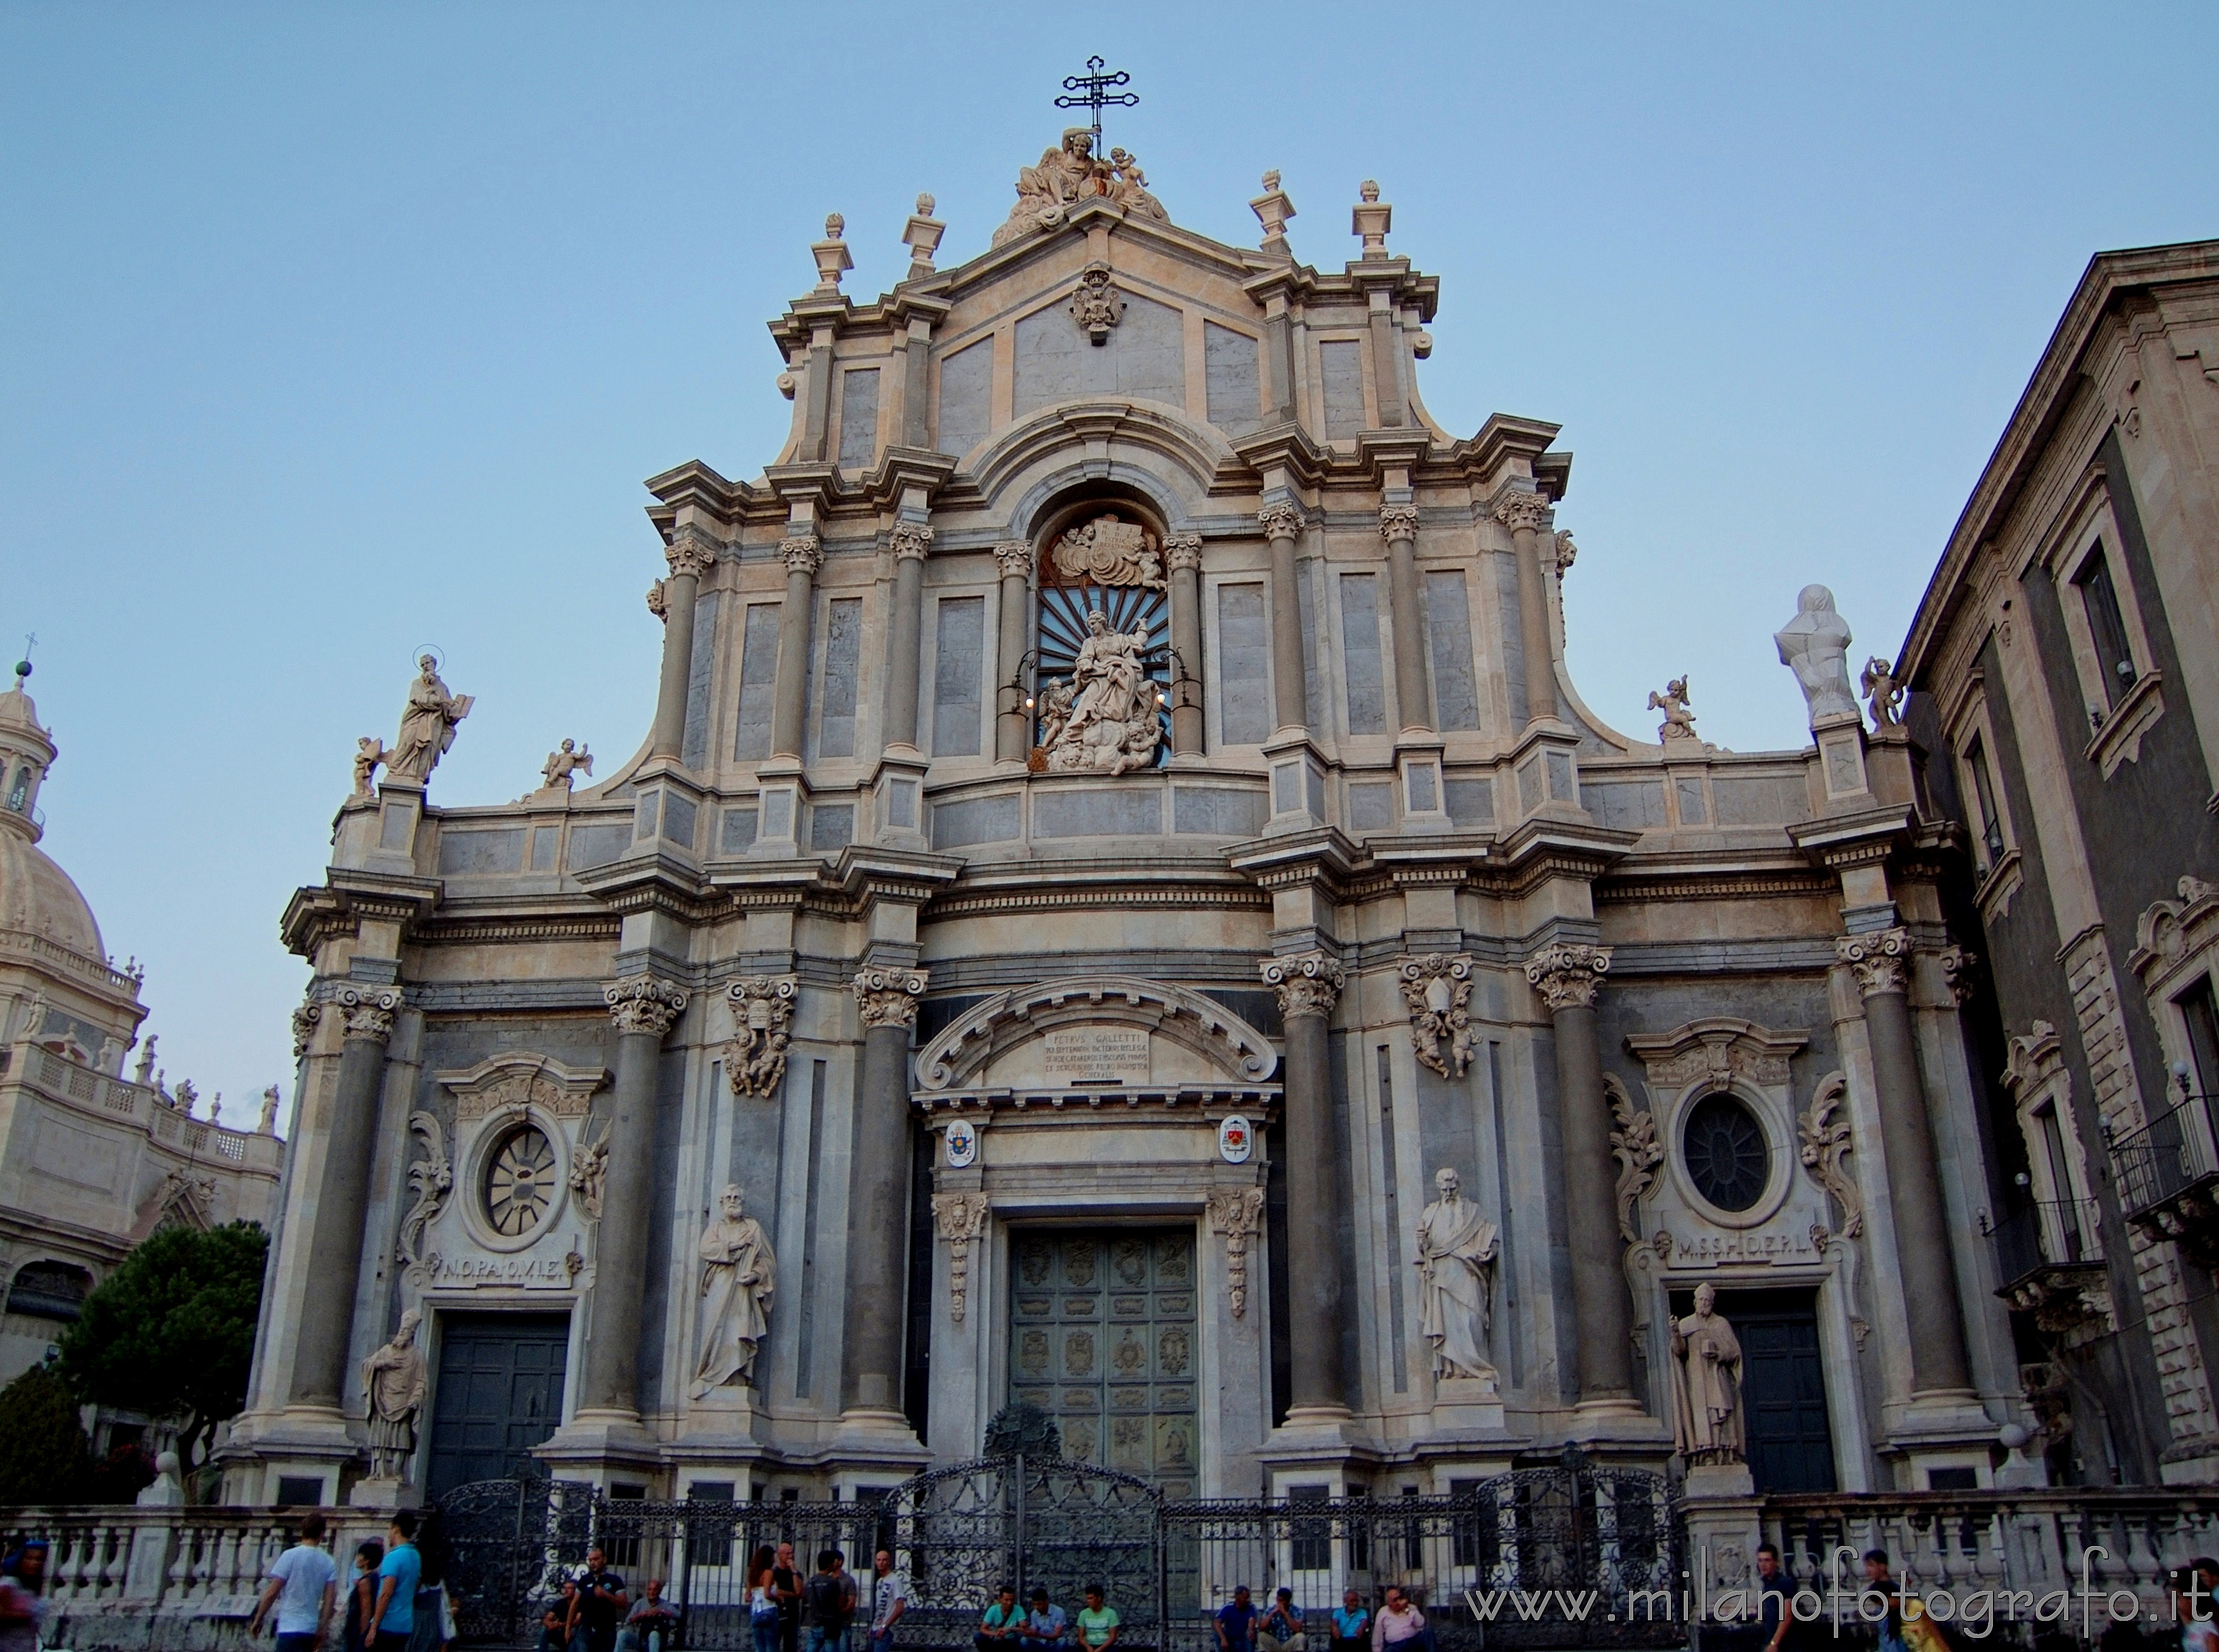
point(327, 331)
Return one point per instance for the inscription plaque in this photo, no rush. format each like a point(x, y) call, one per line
point(1096, 1055)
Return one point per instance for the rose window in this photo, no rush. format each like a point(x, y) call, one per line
point(519, 1182)
point(1725, 1153)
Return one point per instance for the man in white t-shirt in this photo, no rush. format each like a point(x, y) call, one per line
point(889, 1600)
point(301, 1587)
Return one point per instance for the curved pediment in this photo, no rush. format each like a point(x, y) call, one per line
point(1099, 1029)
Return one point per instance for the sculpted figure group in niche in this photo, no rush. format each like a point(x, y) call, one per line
point(1105, 718)
point(1072, 173)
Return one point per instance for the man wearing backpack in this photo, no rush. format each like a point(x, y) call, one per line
point(827, 1603)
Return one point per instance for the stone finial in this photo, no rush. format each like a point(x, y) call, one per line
point(1309, 983)
point(921, 236)
point(833, 258)
point(1273, 210)
point(1371, 219)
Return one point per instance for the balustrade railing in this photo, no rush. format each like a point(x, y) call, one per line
point(2051, 1234)
point(2172, 1152)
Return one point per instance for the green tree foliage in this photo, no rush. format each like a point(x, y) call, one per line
point(170, 1332)
point(44, 1455)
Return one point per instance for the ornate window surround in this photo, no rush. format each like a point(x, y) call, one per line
point(1724, 1054)
point(1965, 720)
point(2176, 945)
point(2091, 527)
point(500, 1093)
point(2041, 1083)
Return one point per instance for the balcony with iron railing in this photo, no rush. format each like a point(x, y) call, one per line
point(2168, 1176)
point(2049, 1256)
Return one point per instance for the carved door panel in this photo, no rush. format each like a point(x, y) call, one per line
point(499, 1393)
point(1102, 1337)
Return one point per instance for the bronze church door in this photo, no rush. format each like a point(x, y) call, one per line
point(1102, 1338)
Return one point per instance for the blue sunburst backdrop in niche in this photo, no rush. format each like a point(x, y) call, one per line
point(1103, 685)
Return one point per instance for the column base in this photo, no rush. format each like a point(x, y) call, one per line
point(1424, 802)
point(1614, 1421)
point(296, 1443)
point(1315, 1439)
point(383, 1491)
point(781, 794)
point(877, 1438)
point(1944, 1429)
point(593, 1443)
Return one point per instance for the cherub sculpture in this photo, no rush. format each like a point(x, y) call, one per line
point(1881, 691)
point(562, 766)
point(370, 755)
point(1679, 721)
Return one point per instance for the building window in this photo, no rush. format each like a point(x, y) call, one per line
point(2200, 1015)
point(519, 1182)
point(1983, 798)
point(1725, 1153)
point(49, 1290)
point(2107, 626)
point(19, 794)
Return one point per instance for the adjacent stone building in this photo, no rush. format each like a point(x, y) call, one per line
point(1121, 907)
point(2065, 670)
point(91, 1162)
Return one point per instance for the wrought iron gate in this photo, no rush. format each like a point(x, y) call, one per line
point(1598, 1541)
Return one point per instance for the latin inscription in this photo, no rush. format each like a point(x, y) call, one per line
point(1096, 1055)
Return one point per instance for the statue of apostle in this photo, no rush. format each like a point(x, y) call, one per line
point(1815, 646)
point(427, 724)
point(737, 1275)
point(394, 1379)
point(1706, 1419)
point(1456, 1278)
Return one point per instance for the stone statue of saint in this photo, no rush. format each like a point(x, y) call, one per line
point(427, 724)
point(267, 1124)
point(393, 1381)
point(1815, 646)
point(562, 766)
point(1706, 1419)
point(737, 1275)
point(1111, 725)
point(1456, 1279)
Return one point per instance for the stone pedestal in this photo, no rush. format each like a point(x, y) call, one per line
point(384, 1492)
point(1467, 1404)
point(1721, 1508)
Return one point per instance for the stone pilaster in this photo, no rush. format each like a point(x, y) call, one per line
point(1308, 984)
point(878, 1205)
point(644, 1008)
point(1012, 725)
point(1569, 976)
point(910, 542)
point(691, 554)
point(1398, 527)
point(1880, 960)
point(803, 556)
point(1282, 525)
point(319, 1362)
point(1183, 566)
point(1522, 513)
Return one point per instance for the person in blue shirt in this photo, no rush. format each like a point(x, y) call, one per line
point(1352, 1623)
point(1236, 1623)
point(1045, 1626)
point(397, 1575)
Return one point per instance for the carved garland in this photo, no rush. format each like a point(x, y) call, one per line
point(1827, 1144)
point(1436, 989)
point(1635, 1147)
point(1236, 1213)
point(754, 1055)
point(958, 1218)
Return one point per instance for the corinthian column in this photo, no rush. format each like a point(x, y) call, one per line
point(909, 541)
point(1521, 513)
point(691, 555)
point(320, 1358)
point(1914, 1187)
point(644, 1008)
point(1283, 524)
point(1398, 527)
point(877, 1200)
point(1182, 562)
point(1308, 984)
point(1568, 975)
point(803, 557)
point(1012, 731)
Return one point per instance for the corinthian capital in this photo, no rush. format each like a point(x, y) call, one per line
point(803, 554)
point(1958, 968)
point(1568, 973)
point(1280, 521)
point(304, 1027)
point(369, 1015)
point(1015, 557)
point(1183, 552)
point(643, 1003)
point(1878, 958)
point(888, 997)
point(909, 539)
point(1309, 983)
point(691, 552)
point(1521, 511)
point(1398, 522)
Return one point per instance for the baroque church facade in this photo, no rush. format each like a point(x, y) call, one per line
point(1122, 907)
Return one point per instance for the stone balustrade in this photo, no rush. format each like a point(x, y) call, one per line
point(2114, 1542)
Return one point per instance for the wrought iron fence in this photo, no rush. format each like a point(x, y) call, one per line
point(1558, 1556)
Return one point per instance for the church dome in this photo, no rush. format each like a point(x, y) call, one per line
point(37, 894)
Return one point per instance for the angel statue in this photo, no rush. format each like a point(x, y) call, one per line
point(370, 755)
point(1067, 175)
point(1679, 721)
point(1881, 691)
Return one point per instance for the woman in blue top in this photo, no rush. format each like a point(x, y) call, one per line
point(1352, 1623)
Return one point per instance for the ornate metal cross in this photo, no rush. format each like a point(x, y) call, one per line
point(1091, 91)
